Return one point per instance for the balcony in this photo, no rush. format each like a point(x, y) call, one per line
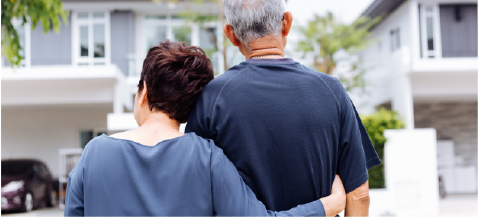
point(65, 84)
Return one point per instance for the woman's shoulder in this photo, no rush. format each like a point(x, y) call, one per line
point(207, 145)
point(198, 140)
point(99, 142)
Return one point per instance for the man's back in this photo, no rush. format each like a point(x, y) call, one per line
point(286, 128)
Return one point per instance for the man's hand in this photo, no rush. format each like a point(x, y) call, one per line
point(335, 202)
point(358, 201)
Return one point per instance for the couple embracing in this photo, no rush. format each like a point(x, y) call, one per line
point(268, 137)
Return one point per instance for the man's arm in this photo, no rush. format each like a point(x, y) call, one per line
point(232, 197)
point(358, 201)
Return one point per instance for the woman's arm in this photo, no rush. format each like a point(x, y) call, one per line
point(74, 204)
point(74, 199)
point(232, 197)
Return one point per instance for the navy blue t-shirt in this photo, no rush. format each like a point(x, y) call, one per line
point(287, 128)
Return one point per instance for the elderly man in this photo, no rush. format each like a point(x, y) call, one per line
point(287, 128)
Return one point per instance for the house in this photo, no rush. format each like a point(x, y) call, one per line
point(424, 65)
point(80, 83)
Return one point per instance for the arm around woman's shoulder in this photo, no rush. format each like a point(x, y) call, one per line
point(232, 197)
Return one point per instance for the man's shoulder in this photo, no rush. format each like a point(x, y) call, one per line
point(329, 79)
point(217, 84)
point(332, 82)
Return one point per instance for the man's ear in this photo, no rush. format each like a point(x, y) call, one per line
point(286, 23)
point(143, 98)
point(229, 31)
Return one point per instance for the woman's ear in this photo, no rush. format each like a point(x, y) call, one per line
point(143, 98)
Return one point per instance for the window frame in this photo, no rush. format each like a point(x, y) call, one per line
point(395, 39)
point(436, 53)
point(26, 62)
point(77, 59)
point(170, 22)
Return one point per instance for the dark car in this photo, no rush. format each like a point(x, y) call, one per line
point(26, 184)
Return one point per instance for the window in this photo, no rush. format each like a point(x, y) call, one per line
point(428, 31)
point(208, 42)
point(395, 39)
point(157, 28)
point(23, 32)
point(160, 28)
point(90, 38)
point(87, 135)
point(458, 30)
point(182, 33)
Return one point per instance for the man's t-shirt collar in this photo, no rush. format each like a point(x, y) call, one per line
point(271, 60)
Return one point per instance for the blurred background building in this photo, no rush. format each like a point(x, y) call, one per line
point(68, 83)
point(424, 65)
point(80, 83)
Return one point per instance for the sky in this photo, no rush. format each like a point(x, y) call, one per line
point(345, 10)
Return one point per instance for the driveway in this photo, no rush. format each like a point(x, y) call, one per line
point(37, 212)
point(463, 205)
point(451, 206)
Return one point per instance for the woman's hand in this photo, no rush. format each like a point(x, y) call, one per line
point(335, 202)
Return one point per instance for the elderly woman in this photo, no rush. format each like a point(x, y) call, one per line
point(155, 170)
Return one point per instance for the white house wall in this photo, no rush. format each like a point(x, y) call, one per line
point(387, 76)
point(444, 86)
point(40, 131)
point(42, 51)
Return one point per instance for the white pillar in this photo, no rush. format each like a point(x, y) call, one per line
point(117, 105)
point(414, 30)
point(402, 100)
point(411, 185)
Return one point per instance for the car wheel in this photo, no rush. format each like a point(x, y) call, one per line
point(51, 199)
point(28, 204)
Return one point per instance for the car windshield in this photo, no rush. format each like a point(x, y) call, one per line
point(14, 168)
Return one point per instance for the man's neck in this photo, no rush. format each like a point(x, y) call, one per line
point(266, 47)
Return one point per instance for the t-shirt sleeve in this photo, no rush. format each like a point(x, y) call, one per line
point(351, 166)
point(371, 155)
point(232, 197)
point(74, 199)
point(199, 119)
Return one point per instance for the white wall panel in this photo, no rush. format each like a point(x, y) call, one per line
point(38, 132)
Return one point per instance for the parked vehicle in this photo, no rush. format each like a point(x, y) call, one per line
point(26, 184)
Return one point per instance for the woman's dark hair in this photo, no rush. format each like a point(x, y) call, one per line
point(175, 75)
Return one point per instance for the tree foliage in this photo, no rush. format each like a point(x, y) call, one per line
point(47, 12)
point(376, 124)
point(323, 37)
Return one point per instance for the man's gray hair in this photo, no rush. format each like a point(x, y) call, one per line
point(253, 19)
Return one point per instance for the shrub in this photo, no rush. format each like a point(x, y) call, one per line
point(376, 124)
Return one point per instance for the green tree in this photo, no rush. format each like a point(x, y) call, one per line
point(324, 37)
point(376, 124)
point(47, 12)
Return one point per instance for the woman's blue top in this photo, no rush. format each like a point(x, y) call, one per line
point(183, 176)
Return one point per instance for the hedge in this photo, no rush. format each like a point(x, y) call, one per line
point(376, 124)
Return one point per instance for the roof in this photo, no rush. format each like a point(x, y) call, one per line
point(379, 7)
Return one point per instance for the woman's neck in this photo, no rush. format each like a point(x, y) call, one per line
point(155, 128)
point(160, 120)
